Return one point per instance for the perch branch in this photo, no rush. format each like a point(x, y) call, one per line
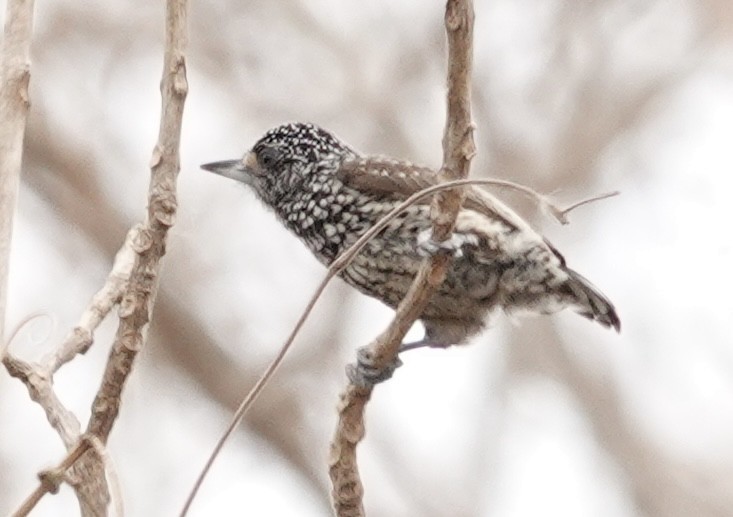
point(458, 150)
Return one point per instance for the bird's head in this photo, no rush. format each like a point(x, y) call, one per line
point(283, 158)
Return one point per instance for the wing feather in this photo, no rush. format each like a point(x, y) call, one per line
point(401, 179)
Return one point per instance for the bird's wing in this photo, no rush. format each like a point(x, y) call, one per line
point(387, 176)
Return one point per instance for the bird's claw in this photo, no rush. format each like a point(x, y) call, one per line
point(365, 373)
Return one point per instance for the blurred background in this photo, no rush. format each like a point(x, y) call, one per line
point(543, 416)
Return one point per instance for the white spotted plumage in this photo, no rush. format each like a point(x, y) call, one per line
point(328, 194)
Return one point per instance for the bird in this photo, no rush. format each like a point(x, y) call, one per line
point(328, 194)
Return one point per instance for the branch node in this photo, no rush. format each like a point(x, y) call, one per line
point(155, 157)
point(83, 337)
point(165, 210)
point(180, 82)
point(51, 479)
point(142, 241)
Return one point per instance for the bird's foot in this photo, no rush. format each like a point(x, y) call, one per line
point(427, 246)
point(365, 373)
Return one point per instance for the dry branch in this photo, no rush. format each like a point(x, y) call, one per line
point(458, 149)
point(133, 283)
point(81, 337)
point(150, 243)
point(51, 479)
point(38, 379)
point(15, 73)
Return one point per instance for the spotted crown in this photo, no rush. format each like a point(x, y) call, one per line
point(306, 141)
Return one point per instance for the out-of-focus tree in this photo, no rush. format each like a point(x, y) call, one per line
point(548, 415)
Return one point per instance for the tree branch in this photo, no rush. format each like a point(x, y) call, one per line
point(15, 73)
point(150, 243)
point(458, 150)
point(133, 283)
point(38, 378)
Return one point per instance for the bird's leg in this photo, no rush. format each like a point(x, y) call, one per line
point(366, 373)
point(443, 333)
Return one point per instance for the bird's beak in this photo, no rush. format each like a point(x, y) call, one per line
point(240, 170)
point(230, 168)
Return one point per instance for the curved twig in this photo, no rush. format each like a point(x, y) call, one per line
point(338, 265)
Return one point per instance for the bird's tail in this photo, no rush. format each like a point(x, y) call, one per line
point(590, 302)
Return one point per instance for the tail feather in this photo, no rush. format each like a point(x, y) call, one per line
point(592, 303)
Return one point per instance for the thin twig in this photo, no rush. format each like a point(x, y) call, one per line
point(51, 479)
point(82, 336)
point(15, 332)
point(15, 73)
point(38, 378)
point(561, 215)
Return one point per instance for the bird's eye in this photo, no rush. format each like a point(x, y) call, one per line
point(268, 157)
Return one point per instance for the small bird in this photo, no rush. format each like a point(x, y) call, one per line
point(328, 194)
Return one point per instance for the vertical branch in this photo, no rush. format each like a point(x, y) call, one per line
point(150, 243)
point(458, 144)
point(458, 150)
point(15, 73)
